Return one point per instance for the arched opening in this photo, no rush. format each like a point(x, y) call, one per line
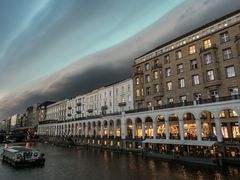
point(80, 129)
point(161, 129)
point(174, 126)
point(98, 128)
point(129, 128)
point(89, 128)
point(94, 128)
point(229, 122)
point(105, 128)
point(111, 128)
point(149, 127)
point(138, 128)
point(84, 129)
point(208, 125)
point(118, 128)
point(190, 128)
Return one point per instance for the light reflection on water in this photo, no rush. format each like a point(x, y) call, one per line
point(69, 163)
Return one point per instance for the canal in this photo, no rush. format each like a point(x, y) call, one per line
point(74, 164)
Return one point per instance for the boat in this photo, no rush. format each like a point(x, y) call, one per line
point(20, 156)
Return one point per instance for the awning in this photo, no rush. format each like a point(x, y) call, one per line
point(180, 142)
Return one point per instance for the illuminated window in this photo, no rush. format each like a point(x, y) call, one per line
point(170, 100)
point(232, 114)
point(168, 72)
point(222, 114)
point(149, 104)
point(169, 86)
point(208, 58)
point(180, 68)
point(230, 71)
point(210, 75)
point(138, 92)
point(195, 79)
point(181, 83)
point(142, 92)
point(227, 54)
point(224, 37)
point(192, 49)
point(179, 54)
point(155, 74)
point(137, 81)
point(207, 43)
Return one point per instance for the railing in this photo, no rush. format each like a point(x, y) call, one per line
point(213, 46)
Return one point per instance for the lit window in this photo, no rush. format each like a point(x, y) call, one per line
point(210, 75)
point(137, 81)
point(138, 92)
point(181, 83)
point(180, 68)
point(149, 104)
point(227, 53)
point(148, 91)
point(179, 54)
point(208, 58)
point(192, 49)
point(230, 72)
point(147, 66)
point(155, 74)
point(183, 98)
point(193, 64)
point(232, 114)
point(142, 91)
point(166, 59)
point(207, 43)
point(148, 78)
point(170, 100)
point(168, 72)
point(222, 114)
point(156, 88)
point(169, 86)
point(224, 37)
point(195, 79)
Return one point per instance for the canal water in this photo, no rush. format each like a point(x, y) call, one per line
point(80, 164)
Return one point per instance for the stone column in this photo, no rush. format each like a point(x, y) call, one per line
point(167, 129)
point(218, 130)
point(181, 129)
point(143, 130)
point(123, 126)
point(154, 129)
point(86, 130)
point(199, 129)
point(239, 123)
point(108, 129)
point(114, 129)
point(133, 130)
point(102, 130)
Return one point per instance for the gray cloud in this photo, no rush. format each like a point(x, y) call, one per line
point(114, 64)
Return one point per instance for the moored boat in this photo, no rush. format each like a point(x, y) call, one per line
point(23, 156)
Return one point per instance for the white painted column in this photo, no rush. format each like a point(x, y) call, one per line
point(108, 129)
point(115, 129)
point(102, 130)
point(154, 130)
point(143, 130)
point(199, 129)
point(86, 130)
point(123, 126)
point(218, 129)
point(181, 129)
point(167, 129)
point(56, 130)
point(133, 130)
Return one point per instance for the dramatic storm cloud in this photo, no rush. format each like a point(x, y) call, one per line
point(51, 50)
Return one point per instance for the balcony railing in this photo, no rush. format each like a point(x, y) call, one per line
point(121, 104)
point(213, 46)
point(104, 107)
point(90, 110)
point(79, 104)
point(156, 66)
point(136, 73)
point(78, 112)
point(69, 107)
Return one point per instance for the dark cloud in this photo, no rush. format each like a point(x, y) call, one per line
point(116, 63)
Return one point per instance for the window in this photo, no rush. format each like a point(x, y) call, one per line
point(137, 80)
point(170, 100)
point(210, 75)
point(180, 68)
point(214, 94)
point(138, 69)
point(208, 58)
point(168, 72)
point(230, 71)
point(232, 114)
point(138, 92)
point(227, 53)
point(149, 104)
point(148, 78)
point(183, 98)
point(156, 88)
point(195, 79)
point(233, 91)
point(147, 66)
point(129, 98)
point(148, 91)
point(155, 75)
point(193, 64)
point(159, 102)
point(142, 92)
point(207, 43)
point(224, 37)
point(197, 96)
point(181, 83)
point(179, 54)
point(192, 49)
point(156, 62)
point(169, 86)
point(166, 59)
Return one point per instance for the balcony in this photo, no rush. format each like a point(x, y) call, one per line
point(156, 95)
point(69, 107)
point(78, 112)
point(79, 104)
point(213, 46)
point(104, 107)
point(136, 73)
point(139, 98)
point(122, 104)
point(69, 114)
point(156, 66)
point(90, 110)
point(212, 83)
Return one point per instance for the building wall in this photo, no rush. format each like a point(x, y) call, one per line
point(57, 111)
point(224, 58)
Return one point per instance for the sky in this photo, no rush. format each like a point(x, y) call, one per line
point(57, 49)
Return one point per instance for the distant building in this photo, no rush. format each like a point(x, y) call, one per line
point(57, 111)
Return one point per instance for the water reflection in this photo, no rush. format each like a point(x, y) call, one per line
point(69, 163)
